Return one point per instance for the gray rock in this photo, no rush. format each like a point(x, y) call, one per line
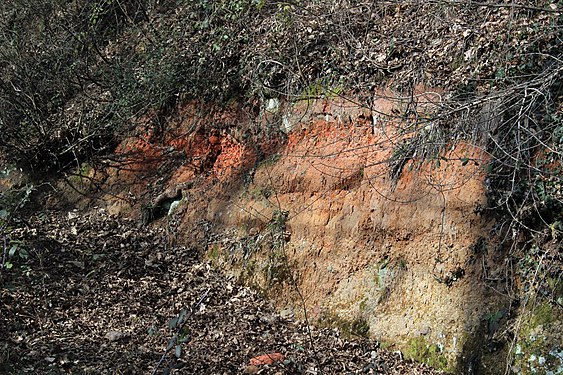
point(114, 335)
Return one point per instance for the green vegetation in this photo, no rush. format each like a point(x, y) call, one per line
point(356, 327)
point(542, 314)
point(420, 350)
point(538, 348)
point(214, 253)
point(320, 89)
point(277, 271)
point(80, 177)
point(11, 202)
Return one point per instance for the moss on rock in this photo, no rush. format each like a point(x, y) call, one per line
point(357, 326)
point(538, 348)
point(420, 350)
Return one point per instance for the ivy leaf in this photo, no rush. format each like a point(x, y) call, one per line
point(178, 351)
point(182, 316)
point(23, 253)
point(171, 343)
point(13, 250)
point(184, 338)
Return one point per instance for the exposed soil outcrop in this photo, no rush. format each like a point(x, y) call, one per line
point(344, 214)
point(379, 236)
point(402, 255)
point(389, 168)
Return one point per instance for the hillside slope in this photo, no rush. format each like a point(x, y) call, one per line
point(391, 169)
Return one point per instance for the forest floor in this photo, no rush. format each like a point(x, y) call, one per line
point(93, 293)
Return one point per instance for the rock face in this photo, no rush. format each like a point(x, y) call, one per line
point(357, 220)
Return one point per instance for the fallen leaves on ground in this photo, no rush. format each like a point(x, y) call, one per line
point(97, 295)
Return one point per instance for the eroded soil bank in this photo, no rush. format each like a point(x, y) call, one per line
point(402, 257)
point(326, 207)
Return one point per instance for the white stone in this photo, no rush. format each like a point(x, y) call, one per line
point(273, 105)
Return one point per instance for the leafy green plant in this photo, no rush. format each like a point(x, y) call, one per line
point(321, 88)
point(12, 201)
point(181, 332)
point(278, 221)
point(181, 335)
point(493, 321)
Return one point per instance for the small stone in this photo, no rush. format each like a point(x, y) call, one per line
point(114, 335)
point(273, 105)
point(425, 330)
point(286, 313)
point(268, 319)
point(251, 369)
